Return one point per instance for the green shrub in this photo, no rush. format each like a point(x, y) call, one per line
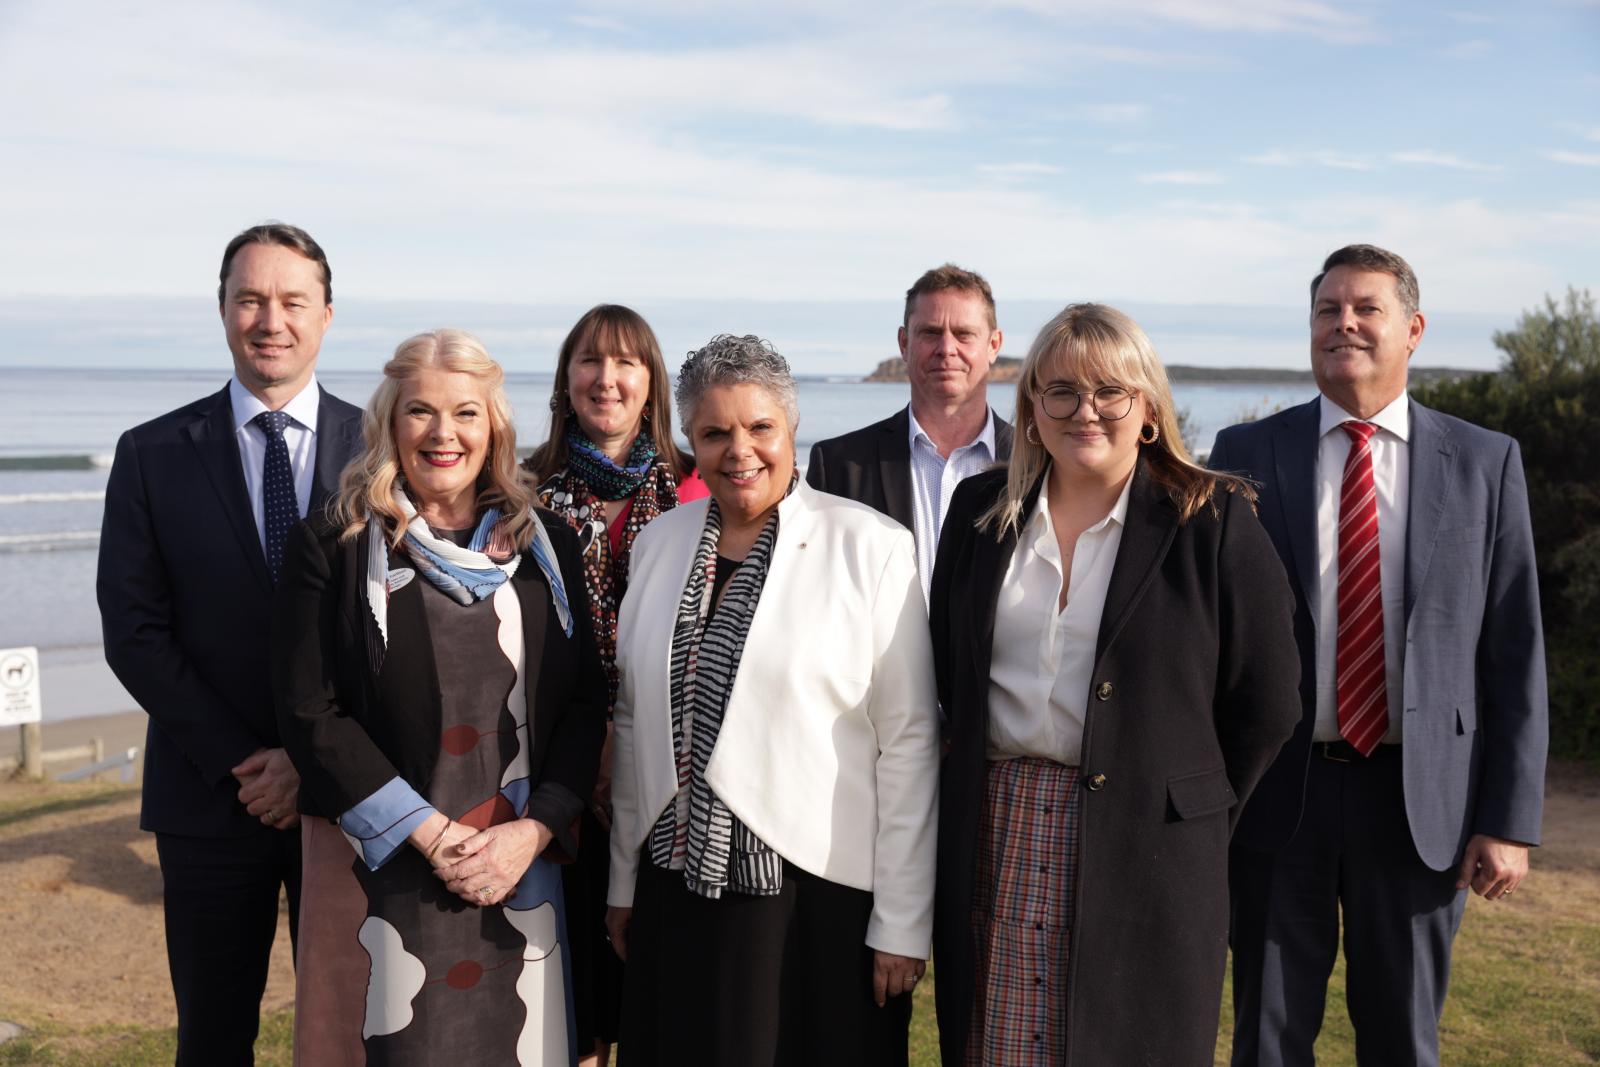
point(1547, 396)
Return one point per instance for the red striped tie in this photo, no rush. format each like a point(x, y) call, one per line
point(1360, 680)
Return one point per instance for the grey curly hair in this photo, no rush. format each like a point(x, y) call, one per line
point(729, 359)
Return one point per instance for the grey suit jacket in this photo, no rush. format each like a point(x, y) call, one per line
point(1475, 729)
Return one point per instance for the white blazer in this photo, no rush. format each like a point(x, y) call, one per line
point(829, 749)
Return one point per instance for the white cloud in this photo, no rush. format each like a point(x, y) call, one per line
point(1278, 157)
point(1114, 114)
point(526, 169)
point(1181, 177)
point(1431, 158)
point(1018, 171)
point(1331, 22)
point(1136, 148)
point(1577, 159)
point(603, 23)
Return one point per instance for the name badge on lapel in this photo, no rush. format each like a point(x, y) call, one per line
point(399, 578)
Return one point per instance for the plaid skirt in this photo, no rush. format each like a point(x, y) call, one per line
point(1022, 913)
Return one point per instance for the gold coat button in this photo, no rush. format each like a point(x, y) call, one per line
point(1097, 782)
point(1103, 691)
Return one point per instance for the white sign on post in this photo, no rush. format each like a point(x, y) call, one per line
point(19, 686)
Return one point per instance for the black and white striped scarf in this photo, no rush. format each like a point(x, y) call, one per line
point(697, 831)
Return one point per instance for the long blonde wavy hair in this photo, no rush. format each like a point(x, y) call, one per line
point(1095, 345)
point(367, 485)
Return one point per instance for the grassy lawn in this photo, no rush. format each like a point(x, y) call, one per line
point(24, 802)
point(1525, 986)
point(52, 1046)
point(1524, 989)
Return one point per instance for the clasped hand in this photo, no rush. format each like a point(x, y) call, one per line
point(484, 867)
point(269, 787)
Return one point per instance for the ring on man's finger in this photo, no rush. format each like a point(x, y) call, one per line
point(486, 892)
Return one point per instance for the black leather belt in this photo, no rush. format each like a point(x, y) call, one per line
point(1345, 752)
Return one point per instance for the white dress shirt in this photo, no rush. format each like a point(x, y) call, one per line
point(1391, 473)
point(1043, 659)
point(934, 479)
point(300, 436)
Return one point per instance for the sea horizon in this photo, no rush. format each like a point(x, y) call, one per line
point(820, 338)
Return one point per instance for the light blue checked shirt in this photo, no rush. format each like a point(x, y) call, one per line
point(933, 480)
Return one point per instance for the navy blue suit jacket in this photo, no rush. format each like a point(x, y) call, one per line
point(1475, 728)
point(186, 604)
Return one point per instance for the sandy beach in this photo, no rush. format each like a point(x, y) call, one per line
point(82, 701)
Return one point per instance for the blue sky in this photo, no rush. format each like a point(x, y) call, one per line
point(712, 162)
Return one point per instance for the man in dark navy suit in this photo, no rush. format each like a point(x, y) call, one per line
point(198, 506)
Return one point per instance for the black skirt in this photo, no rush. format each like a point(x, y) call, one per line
point(746, 981)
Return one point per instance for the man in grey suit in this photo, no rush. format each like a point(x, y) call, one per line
point(1417, 769)
point(907, 466)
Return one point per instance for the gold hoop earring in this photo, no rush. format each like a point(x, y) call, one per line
point(1155, 433)
point(1032, 433)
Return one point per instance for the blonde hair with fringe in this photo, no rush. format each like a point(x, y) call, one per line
point(367, 485)
point(1096, 345)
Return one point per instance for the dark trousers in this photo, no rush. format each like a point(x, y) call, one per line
point(749, 981)
point(1352, 856)
point(220, 896)
point(596, 971)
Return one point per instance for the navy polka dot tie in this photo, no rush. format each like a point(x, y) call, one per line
point(279, 507)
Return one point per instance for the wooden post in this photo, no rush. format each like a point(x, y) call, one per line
point(32, 750)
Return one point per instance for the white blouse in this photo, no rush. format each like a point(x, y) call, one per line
point(1043, 659)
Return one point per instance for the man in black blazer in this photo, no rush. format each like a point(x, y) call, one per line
point(197, 509)
point(1417, 769)
point(908, 465)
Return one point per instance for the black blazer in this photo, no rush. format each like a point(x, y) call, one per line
point(349, 728)
point(1193, 693)
point(185, 601)
point(873, 464)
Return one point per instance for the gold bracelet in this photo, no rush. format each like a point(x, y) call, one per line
point(428, 855)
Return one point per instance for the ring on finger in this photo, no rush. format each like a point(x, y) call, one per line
point(486, 892)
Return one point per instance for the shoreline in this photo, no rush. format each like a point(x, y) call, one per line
point(76, 683)
point(82, 701)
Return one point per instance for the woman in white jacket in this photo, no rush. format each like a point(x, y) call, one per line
point(776, 761)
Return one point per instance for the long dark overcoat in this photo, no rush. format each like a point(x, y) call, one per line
point(1194, 690)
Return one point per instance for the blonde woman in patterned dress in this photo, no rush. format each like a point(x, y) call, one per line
point(439, 691)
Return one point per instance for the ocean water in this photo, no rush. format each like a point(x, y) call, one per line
point(59, 427)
